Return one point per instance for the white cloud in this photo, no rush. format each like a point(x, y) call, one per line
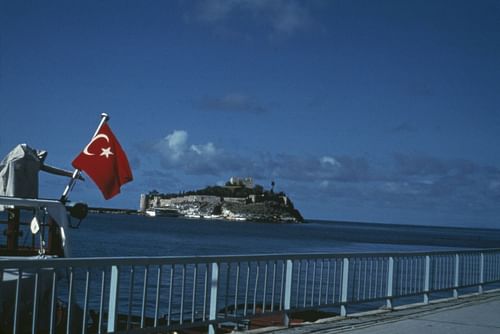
point(173, 146)
point(327, 160)
point(207, 149)
point(177, 153)
point(177, 140)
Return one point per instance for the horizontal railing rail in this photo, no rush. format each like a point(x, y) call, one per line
point(148, 294)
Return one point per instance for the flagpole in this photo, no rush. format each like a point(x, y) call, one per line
point(76, 172)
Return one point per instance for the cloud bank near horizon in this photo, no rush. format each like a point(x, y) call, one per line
point(403, 179)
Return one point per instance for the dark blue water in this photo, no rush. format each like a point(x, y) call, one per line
point(132, 235)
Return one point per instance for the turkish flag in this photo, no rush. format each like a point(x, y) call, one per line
point(104, 160)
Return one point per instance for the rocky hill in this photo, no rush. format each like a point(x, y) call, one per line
point(228, 202)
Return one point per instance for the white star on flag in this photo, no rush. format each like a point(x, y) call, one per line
point(106, 152)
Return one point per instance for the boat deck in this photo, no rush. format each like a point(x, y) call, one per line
point(475, 314)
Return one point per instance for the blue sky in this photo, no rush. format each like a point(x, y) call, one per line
point(378, 111)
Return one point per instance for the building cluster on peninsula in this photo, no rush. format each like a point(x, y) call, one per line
point(238, 199)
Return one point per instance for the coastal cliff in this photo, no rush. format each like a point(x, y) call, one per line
point(230, 202)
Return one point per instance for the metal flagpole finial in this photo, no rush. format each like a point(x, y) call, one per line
point(104, 119)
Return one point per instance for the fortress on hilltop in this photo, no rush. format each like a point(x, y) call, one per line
point(238, 199)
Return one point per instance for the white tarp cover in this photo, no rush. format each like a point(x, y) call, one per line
point(19, 172)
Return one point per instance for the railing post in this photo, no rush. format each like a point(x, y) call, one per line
point(113, 298)
point(427, 278)
point(481, 273)
point(212, 315)
point(345, 282)
point(455, 283)
point(15, 322)
point(390, 278)
point(288, 291)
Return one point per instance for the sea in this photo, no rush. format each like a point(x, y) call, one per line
point(111, 235)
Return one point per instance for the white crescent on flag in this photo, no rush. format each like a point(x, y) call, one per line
point(86, 149)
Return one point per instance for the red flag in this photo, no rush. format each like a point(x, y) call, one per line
point(104, 160)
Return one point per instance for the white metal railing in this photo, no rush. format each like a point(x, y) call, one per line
point(139, 294)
